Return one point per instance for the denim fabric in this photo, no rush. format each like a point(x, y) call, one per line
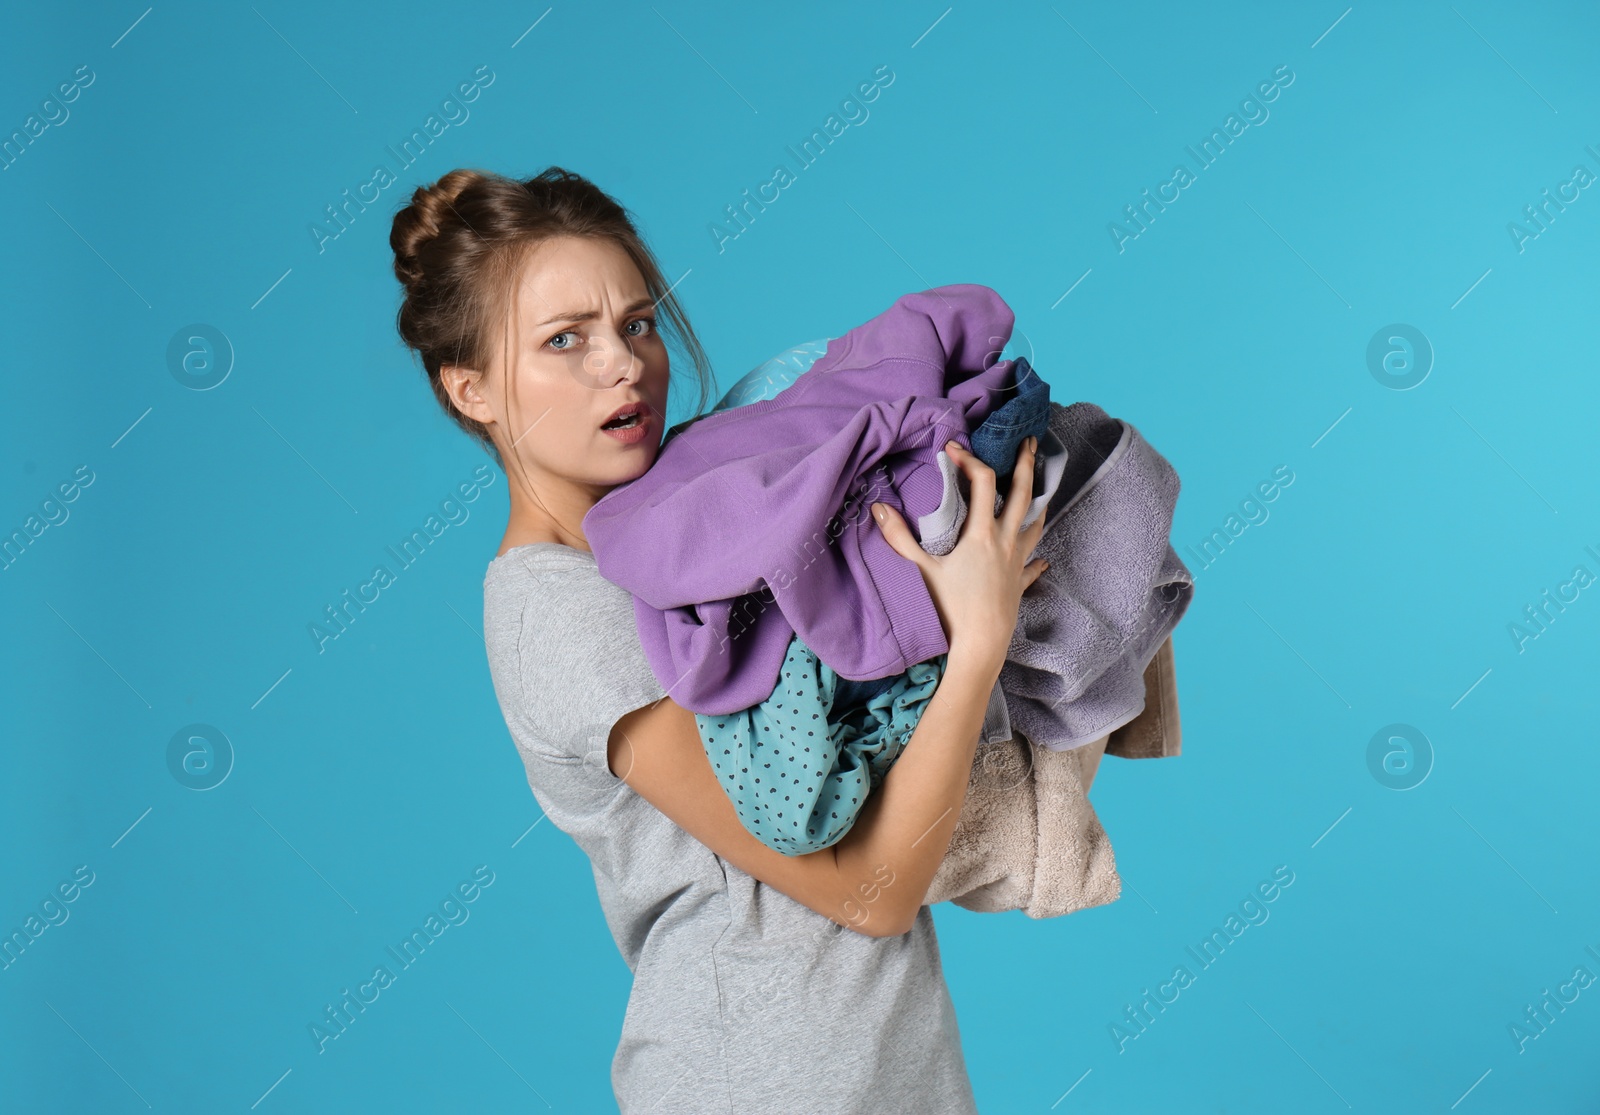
point(1025, 414)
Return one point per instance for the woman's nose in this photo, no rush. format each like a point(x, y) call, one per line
point(611, 360)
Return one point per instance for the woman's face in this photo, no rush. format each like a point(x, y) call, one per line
point(583, 345)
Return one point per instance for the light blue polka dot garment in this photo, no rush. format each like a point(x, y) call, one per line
point(797, 769)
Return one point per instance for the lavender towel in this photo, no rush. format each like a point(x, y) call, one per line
point(1115, 589)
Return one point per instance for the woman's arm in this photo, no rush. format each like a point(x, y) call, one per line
point(873, 879)
point(903, 830)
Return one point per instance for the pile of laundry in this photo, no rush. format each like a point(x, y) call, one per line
point(769, 604)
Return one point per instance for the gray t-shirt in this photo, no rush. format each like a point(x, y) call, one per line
point(744, 1001)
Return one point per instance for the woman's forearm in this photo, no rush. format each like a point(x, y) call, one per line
point(890, 855)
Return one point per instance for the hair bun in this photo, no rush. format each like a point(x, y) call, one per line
point(418, 224)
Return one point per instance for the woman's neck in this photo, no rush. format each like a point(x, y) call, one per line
point(530, 522)
point(552, 511)
point(523, 533)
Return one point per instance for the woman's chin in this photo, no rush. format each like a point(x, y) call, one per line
point(637, 463)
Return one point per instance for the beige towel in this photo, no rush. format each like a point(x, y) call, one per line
point(1028, 839)
point(1157, 732)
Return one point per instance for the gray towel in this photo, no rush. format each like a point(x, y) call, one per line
point(1115, 589)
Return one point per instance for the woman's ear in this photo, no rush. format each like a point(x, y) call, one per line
point(465, 388)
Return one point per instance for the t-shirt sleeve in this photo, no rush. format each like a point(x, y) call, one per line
point(567, 663)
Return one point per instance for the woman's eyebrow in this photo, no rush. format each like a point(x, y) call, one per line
point(589, 315)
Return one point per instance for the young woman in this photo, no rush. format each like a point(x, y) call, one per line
point(762, 982)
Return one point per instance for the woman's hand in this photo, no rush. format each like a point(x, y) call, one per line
point(977, 587)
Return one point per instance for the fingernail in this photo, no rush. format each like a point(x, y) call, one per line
point(952, 444)
point(877, 511)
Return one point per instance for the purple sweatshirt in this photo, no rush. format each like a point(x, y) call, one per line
point(752, 526)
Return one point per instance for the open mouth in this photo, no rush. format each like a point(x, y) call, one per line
point(628, 418)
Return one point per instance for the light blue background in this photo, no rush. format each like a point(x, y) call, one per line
point(1232, 332)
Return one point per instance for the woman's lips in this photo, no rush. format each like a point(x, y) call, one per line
point(635, 433)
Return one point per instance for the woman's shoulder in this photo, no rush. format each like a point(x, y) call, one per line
point(549, 594)
point(535, 557)
point(546, 578)
point(562, 642)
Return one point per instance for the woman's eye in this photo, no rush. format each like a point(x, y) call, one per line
point(554, 342)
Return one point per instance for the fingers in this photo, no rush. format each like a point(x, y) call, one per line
point(1028, 540)
point(1021, 494)
point(979, 475)
point(1033, 571)
point(898, 534)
